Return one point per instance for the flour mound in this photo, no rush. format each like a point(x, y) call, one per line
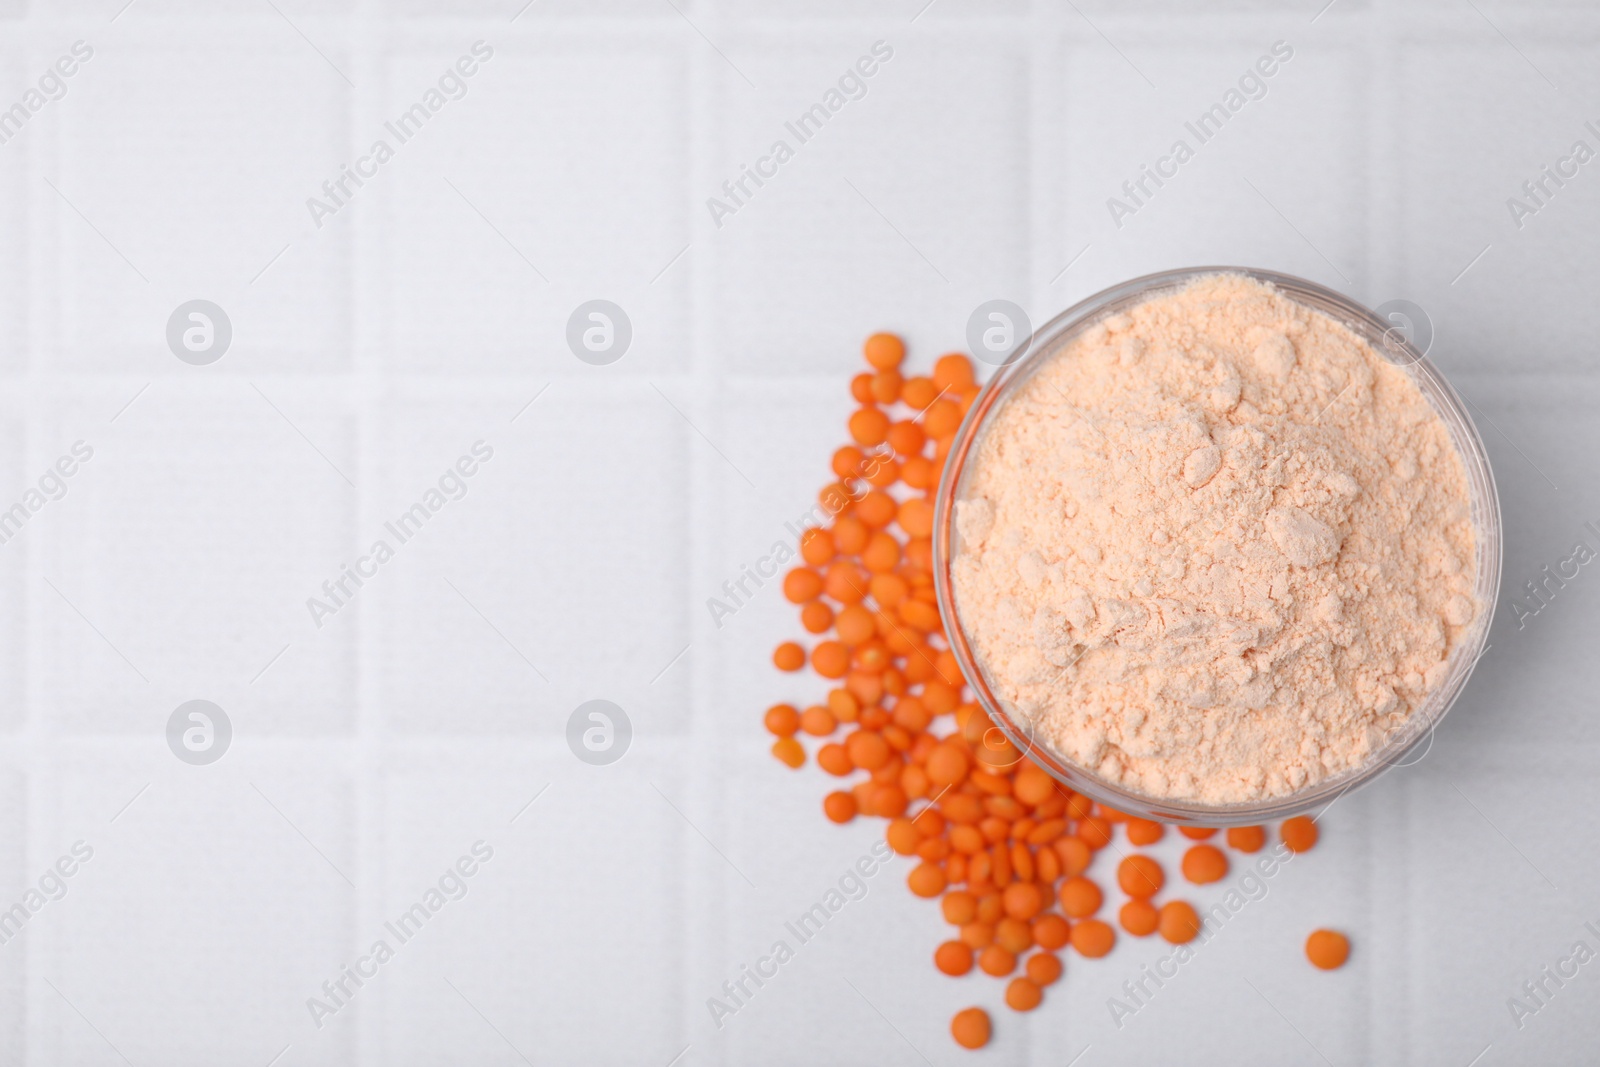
point(1224, 569)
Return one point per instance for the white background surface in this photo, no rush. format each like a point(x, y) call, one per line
point(370, 353)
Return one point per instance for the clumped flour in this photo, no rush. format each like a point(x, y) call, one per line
point(1217, 547)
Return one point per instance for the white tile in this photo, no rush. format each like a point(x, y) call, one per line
point(190, 542)
point(602, 986)
point(1535, 428)
point(935, 222)
point(18, 156)
point(566, 559)
point(1277, 186)
point(235, 917)
point(14, 557)
point(1481, 122)
point(887, 13)
point(16, 953)
point(783, 432)
point(193, 201)
point(794, 871)
point(480, 263)
point(1483, 846)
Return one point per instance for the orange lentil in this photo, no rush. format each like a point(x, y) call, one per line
point(919, 473)
point(926, 879)
point(977, 934)
point(959, 906)
point(867, 749)
point(953, 958)
point(788, 657)
point(846, 462)
point(929, 823)
point(919, 392)
point(890, 802)
point(916, 517)
point(818, 721)
point(830, 659)
point(1094, 832)
point(1023, 994)
point(968, 839)
point(906, 437)
point(970, 1027)
point(1144, 832)
point(947, 765)
point(886, 386)
point(1246, 838)
point(882, 473)
point(882, 554)
point(816, 617)
point(1140, 877)
point(1013, 935)
point(1080, 897)
point(839, 806)
point(941, 421)
point(1044, 968)
point(877, 509)
point(1179, 923)
point(1204, 864)
point(884, 351)
point(997, 961)
point(855, 625)
point(952, 371)
point(1023, 900)
point(849, 535)
point(961, 808)
point(844, 705)
point(911, 714)
point(802, 584)
point(902, 837)
point(872, 656)
point(845, 583)
point(835, 497)
point(1327, 949)
point(1022, 865)
point(816, 546)
point(1032, 786)
point(861, 388)
point(783, 720)
point(834, 759)
point(1139, 917)
point(888, 589)
point(869, 426)
point(1047, 865)
point(1093, 938)
point(789, 751)
point(941, 697)
point(1299, 833)
point(1075, 855)
point(864, 686)
point(1051, 931)
point(1197, 833)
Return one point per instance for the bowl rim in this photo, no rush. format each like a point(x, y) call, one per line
point(1483, 495)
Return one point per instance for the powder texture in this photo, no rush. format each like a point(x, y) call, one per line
point(1217, 547)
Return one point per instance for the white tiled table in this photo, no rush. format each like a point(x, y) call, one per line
point(370, 353)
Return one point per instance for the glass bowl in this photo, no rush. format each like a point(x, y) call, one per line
point(1403, 742)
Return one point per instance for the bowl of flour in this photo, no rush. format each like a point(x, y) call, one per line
point(1221, 545)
